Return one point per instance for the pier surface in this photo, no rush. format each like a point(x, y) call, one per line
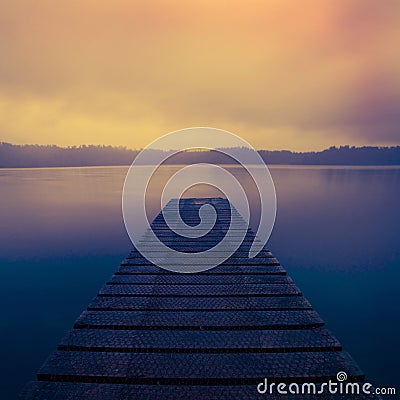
point(155, 334)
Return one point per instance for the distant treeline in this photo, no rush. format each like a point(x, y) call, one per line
point(19, 156)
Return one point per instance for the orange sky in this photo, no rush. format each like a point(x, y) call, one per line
point(282, 74)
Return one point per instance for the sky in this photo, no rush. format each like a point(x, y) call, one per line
point(281, 74)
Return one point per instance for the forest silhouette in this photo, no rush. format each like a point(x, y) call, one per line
point(30, 156)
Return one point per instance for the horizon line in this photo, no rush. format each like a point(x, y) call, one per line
point(342, 146)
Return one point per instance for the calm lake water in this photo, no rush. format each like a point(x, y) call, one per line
point(62, 235)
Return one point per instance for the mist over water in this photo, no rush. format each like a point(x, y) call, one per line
point(336, 233)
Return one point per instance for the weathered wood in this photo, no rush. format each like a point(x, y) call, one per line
point(195, 320)
point(104, 391)
point(203, 341)
point(195, 368)
point(204, 303)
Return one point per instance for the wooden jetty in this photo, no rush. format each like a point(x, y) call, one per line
point(155, 334)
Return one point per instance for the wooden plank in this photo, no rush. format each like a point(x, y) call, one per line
point(198, 279)
point(221, 269)
point(197, 369)
point(201, 290)
point(194, 320)
point(104, 391)
point(205, 303)
point(222, 341)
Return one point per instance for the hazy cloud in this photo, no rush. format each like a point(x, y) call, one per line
point(281, 74)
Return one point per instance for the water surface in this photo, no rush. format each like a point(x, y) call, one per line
point(62, 235)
